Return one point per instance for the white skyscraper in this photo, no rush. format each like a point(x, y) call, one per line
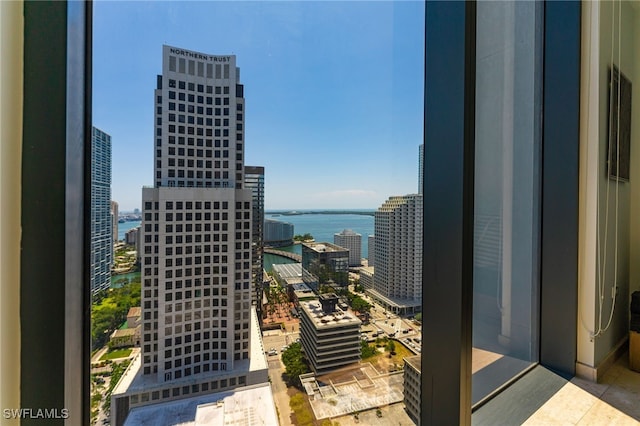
point(397, 281)
point(351, 241)
point(197, 319)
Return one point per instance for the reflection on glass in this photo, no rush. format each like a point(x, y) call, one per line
point(506, 193)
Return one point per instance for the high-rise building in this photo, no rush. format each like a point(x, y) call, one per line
point(114, 220)
point(397, 281)
point(420, 168)
point(371, 250)
point(101, 223)
point(254, 180)
point(277, 233)
point(352, 241)
point(200, 332)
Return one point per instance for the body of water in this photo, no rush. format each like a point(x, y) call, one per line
point(322, 227)
point(125, 226)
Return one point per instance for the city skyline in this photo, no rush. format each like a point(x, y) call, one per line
point(337, 92)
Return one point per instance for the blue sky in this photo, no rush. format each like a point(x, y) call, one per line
point(333, 92)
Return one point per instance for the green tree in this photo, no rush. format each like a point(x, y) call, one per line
point(367, 351)
point(391, 346)
point(294, 363)
point(111, 311)
point(418, 317)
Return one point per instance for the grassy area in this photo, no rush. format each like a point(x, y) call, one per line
point(118, 353)
point(381, 360)
point(301, 410)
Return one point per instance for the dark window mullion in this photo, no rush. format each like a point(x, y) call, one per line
point(448, 212)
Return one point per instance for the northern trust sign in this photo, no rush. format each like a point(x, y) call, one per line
point(200, 56)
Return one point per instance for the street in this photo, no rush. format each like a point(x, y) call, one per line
point(277, 339)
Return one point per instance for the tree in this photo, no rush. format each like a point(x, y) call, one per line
point(360, 305)
point(366, 351)
point(111, 311)
point(295, 363)
point(391, 346)
point(418, 317)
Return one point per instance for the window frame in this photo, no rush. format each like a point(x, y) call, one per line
point(448, 223)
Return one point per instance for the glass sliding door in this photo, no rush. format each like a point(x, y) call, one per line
point(506, 193)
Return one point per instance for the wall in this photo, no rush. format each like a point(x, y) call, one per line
point(11, 82)
point(605, 204)
point(634, 184)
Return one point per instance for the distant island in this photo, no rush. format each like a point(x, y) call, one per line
point(301, 212)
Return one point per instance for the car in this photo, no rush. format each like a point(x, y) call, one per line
point(405, 331)
point(272, 352)
point(284, 348)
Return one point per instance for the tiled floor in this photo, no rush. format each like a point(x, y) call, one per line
point(615, 401)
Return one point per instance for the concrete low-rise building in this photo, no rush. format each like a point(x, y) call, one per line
point(366, 277)
point(330, 336)
point(125, 338)
point(287, 273)
point(242, 406)
point(133, 316)
point(412, 393)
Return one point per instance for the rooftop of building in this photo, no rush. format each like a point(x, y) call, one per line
point(288, 270)
point(362, 389)
point(324, 247)
point(321, 320)
point(251, 405)
point(134, 311)
point(414, 361)
point(367, 270)
point(348, 233)
point(125, 332)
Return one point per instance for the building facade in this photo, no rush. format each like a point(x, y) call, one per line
point(114, 220)
point(372, 250)
point(412, 391)
point(254, 180)
point(277, 233)
point(352, 241)
point(397, 281)
point(366, 277)
point(101, 222)
point(196, 261)
point(324, 264)
point(330, 336)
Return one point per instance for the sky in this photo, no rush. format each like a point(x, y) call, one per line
point(333, 92)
